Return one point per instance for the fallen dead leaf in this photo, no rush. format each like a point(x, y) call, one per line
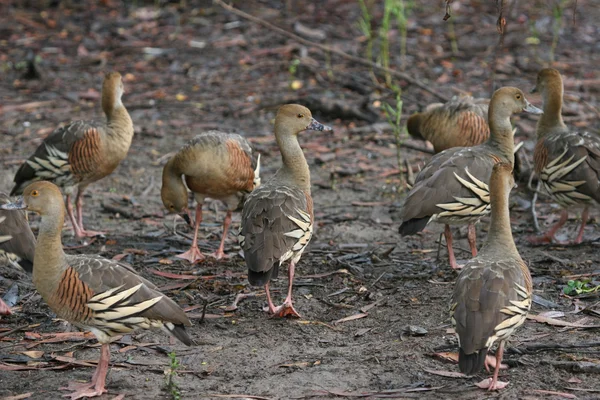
point(19, 396)
point(351, 318)
point(447, 374)
point(32, 353)
point(552, 393)
point(447, 356)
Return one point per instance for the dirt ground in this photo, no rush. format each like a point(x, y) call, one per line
point(191, 66)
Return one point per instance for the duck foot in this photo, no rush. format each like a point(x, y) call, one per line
point(219, 255)
point(85, 233)
point(238, 298)
point(490, 384)
point(284, 310)
point(89, 392)
point(193, 255)
point(4, 308)
point(490, 363)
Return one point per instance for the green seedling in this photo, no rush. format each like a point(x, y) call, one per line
point(575, 288)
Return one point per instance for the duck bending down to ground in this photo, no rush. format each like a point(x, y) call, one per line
point(214, 164)
point(278, 218)
point(17, 243)
point(91, 292)
point(452, 189)
point(82, 152)
point(567, 162)
point(492, 294)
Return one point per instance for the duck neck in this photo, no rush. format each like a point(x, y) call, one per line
point(119, 121)
point(295, 168)
point(551, 119)
point(501, 133)
point(171, 179)
point(500, 234)
point(50, 259)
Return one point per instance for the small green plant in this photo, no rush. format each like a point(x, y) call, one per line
point(364, 24)
point(557, 13)
point(171, 383)
point(293, 68)
point(574, 288)
point(394, 115)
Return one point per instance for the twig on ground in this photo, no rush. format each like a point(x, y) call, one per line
point(332, 50)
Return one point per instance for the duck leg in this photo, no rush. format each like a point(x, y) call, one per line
point(270, 306)
point(451, 258)
point(287, 308)
point(548, 237)
point(493, 383)
point(219, 254)
point(96, 386)
point(472, 237)
point(4, 308)
point(584, 218)
point(79, 207)
point(76, 229)
point(193, 255)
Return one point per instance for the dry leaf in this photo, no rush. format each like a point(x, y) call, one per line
point(350, 318)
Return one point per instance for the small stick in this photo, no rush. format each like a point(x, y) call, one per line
point(329, 49)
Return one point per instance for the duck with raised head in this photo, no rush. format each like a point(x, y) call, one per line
point(214, 164)
point(492, 294)
point(17, 242)
point(91, 292)
point(278, 217)
point(452, 189)
point(460, 122)
point(566, 161)
point(82, 152)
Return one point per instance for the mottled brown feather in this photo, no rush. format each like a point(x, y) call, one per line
point(460, 122)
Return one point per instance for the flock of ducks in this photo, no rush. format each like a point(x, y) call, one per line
point(469, 177)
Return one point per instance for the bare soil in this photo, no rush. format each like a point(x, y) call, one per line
point(191, 66)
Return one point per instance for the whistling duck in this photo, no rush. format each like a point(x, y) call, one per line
point(214, 164)
point(82, 152)
point(91, 292)
point(278, 218)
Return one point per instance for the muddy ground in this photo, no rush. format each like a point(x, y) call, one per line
point(191, 66)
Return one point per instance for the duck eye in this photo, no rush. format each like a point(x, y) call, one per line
point(35, 193)
point(300, 115)
point(172, 207)
point(518, 97)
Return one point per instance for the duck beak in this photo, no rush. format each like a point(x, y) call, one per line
point(19, 204)
point(530, 108)
point(317, 126)
point(185, 214)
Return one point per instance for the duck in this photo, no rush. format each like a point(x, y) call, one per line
point(278, 217)
point(213, 164)
point(452, 189)
point(566, 161)
point(82, 152)
point(17, 242)
point(460, 122)
point(103, 296)
point(492, 294)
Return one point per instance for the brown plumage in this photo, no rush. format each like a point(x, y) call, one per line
point(104, 296)
point(82, 152)
point(460, 122)
point(452, 188)
point(17, 243)
point(567, 162)
point(492, 294)
point(214, 164)
point(278, 218)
